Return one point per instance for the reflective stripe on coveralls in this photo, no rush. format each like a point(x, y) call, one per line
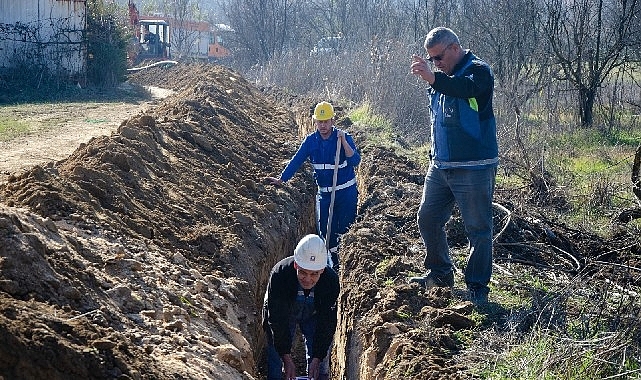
point(329, 166)
point(347, 184)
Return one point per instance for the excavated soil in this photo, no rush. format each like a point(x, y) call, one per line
point(144, 254)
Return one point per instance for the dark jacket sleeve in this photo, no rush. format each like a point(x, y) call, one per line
point(280, 294)
point(326, 295)
point(476, 81)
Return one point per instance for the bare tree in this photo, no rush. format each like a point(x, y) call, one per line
point(184, 35)
point(262, 27)
point(589, 39)
point(511, 40)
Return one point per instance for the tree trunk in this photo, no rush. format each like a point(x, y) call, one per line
point(636, 180)
point(634, 213)
point(586, 104)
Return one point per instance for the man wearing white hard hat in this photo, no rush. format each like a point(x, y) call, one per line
point(333, 155)
point(302, 291)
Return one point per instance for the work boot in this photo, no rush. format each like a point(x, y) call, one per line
point(477, 296)
point(429, 280)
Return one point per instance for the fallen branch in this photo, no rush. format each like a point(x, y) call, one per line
point(508, 219)
point(83, 315)
point(577, 267)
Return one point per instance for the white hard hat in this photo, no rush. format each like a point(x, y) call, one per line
point(311, 253)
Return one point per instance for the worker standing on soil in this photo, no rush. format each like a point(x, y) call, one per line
point(302, 290)
point(464, 158)
point(320, 148)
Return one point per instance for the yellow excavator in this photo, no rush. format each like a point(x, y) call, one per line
point(150, 41)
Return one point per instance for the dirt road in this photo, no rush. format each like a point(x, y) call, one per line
point(55, 130)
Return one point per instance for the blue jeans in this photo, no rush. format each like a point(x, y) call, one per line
point(274, 362)
point(472, 190)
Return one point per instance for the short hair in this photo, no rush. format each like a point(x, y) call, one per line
point(440, 35)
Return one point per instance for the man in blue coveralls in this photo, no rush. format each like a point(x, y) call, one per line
point(320, 148)
point(302, 291)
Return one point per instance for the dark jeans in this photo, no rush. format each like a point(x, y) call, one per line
point(275, 364)
point(472, 190)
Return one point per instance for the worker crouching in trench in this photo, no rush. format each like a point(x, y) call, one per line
point(302, 291)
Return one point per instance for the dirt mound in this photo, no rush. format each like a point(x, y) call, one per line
point(144, 254)
point(389, 329)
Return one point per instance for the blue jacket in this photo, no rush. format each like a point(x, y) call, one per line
point(321, 153)
point(463, 123)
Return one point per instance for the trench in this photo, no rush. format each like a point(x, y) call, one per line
point(177, 179)
point(369, 339)
point(285, 248)
point(306, 225)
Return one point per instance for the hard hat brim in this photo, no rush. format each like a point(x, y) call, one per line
point(312, 267)
point(321, 119)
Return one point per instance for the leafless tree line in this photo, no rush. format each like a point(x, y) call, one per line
point(565, 60)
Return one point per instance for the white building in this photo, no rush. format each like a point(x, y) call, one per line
point(47, 33)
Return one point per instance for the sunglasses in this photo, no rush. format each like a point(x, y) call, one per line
point(440, 56)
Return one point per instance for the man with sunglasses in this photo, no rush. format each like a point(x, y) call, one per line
point(464, 157)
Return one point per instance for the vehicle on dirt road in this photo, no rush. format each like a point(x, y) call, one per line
point(150, 41)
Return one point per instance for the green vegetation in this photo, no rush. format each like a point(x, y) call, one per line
point(379, 131)
point(589, 169)
point(107, 35)
point(544, 355)
point(403, 314)
point(569, 331)
point(382, 266)
point(464, 337)
point(10, 128)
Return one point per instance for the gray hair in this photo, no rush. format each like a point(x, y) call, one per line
point(440, 35)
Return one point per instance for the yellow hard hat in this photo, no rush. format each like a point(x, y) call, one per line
point(323, 111)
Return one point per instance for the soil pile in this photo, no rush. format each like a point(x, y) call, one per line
point(144, 254)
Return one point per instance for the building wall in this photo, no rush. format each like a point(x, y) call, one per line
point(47, 33)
